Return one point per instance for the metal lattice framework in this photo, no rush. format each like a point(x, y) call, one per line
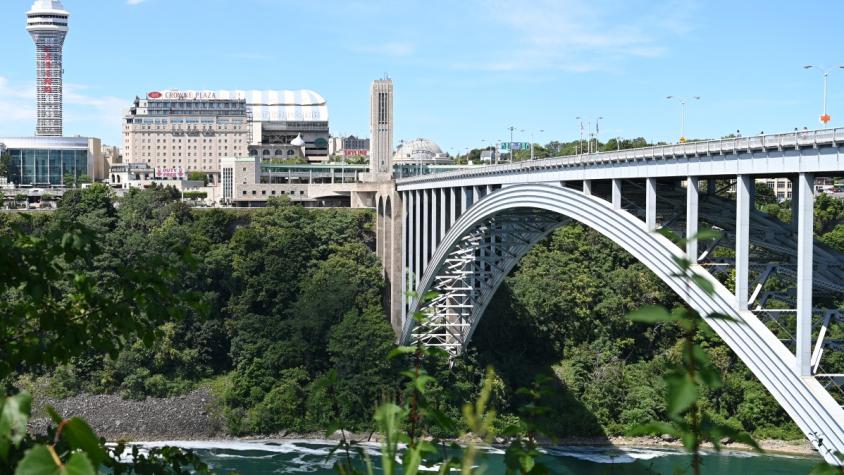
point(472, 271)
point(469, 253)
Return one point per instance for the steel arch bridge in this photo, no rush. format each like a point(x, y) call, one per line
point(461, 233)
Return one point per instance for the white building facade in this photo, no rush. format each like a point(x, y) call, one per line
point(185, 130)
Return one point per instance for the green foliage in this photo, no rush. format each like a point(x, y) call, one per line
point(835, 238)
point(686, 379)
point(198, 176)
point(358, 347)
point(5, 164)
point(283, 405)
point(195, 195)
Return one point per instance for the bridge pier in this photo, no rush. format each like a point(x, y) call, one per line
point(692, 198)
point(390, 248)
point(650, 204)
point(616, 193)
point(805, 248)
point(743, 191)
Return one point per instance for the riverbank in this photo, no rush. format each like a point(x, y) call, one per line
point(193, 417)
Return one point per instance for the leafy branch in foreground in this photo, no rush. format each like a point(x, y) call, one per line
point(54, 308)
point(685, 380)
point(402, 441)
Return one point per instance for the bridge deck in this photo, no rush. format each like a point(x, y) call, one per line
point(817, 150)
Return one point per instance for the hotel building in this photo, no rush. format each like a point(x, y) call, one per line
point(185, 131)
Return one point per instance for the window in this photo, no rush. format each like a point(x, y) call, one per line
point(263, 192)
point(253, 192)
point(244, 192)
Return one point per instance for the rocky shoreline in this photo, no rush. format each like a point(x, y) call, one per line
point(192, 418)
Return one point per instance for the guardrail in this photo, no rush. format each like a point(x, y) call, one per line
point(790, 140)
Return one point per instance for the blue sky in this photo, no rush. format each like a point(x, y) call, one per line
point(464, 70)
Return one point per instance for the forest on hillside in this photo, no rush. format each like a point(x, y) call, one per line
point(289, 330)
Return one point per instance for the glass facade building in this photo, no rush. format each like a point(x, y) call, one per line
point(45, 161)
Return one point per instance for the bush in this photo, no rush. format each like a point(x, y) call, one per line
point(283, 407)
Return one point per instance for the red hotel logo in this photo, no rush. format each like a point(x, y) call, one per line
point(154, 95)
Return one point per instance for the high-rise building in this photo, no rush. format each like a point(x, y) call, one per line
point(46, 22)
point(185, 131)
point(381, 126)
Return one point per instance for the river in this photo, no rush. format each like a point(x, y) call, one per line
point(313, 457)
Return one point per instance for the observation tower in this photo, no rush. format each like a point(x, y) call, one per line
point(46, 22)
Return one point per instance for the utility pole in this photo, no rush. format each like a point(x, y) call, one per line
point(683, 102)
point(825, 118)
point(511, 129)
point(580, 142)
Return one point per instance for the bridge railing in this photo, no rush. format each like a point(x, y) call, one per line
point(789, 140)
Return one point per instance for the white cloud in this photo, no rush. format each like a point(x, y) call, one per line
point(85, 113)
point(134, 2)
point(579, 35)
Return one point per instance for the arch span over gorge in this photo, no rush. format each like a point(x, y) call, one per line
point(502, 226)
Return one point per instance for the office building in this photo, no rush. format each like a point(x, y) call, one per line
point(343, 148)
point(46, 22)
point(53, 161)
point(381, 127)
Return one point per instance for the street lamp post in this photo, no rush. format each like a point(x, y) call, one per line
point(683, 102)
point(531, 142)
point(825, 118)
point(597, 131)
point(511, 129)
point(580, 143)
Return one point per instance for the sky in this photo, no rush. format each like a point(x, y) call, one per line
point(464, 71)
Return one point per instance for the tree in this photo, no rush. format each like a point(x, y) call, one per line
point(5, 165)
point(764, 195)
point(348, 280)
point(198, 176)
point(358, 347)
point(53, 311)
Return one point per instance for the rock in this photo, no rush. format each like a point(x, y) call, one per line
point(726, 441)
point(112, 417)
point(668, 438)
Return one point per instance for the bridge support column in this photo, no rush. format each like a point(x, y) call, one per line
point(452, 194)
point(692, 191)
point(805, 242)
point(587, 187)
point(710, 186)
point(465, 198)
point(650, 204)
point(426, 231)
point(443, 212)
point(743, 199)
point(395, 251)
point(795, 202)
point(616, 193)
point(435, 218)
point(405, 266)
point(417, 239)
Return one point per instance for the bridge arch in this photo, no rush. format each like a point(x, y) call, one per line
point(488, 239)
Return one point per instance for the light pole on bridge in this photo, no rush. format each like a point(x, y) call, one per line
point(825, 118)
point(683, 102)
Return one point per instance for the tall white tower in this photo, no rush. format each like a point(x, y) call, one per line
point(46, 22)
point(381, 126)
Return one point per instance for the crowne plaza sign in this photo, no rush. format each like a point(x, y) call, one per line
point(187, 95)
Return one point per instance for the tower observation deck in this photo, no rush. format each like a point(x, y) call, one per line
point(46, 22)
